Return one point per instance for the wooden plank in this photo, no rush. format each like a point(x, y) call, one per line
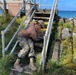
point(44, 10)
point(56, 50)
point(47, 18)
point(42, 13)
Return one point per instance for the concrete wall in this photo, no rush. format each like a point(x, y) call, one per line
point(13, 8)
point(10, 0)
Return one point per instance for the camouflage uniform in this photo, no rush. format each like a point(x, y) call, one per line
point(27, 47)
point(26, 42)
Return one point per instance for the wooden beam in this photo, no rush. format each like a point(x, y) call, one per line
point(4, 4)
point(45, 18)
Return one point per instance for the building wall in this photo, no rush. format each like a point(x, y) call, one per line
point(14, 6)
point(10, 0)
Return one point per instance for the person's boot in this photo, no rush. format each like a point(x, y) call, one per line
point(31, 65)
point(17, 66)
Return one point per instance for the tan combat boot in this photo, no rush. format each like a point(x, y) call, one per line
point(17, 66)
point(31, 65)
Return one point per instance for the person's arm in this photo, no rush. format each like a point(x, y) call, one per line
point(40, 36)
point(35, 38)
point(33, 35)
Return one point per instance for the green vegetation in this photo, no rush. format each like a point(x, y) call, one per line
point(67, 63)
point(7, 62)
point(3, 24)
point(4, 21)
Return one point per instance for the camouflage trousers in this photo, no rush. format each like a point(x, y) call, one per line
point(27, 47)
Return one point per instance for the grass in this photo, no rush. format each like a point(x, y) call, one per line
point(66, 66)
point(68, 50)
point(67, 63)
point(7, 62)
point(4, 21)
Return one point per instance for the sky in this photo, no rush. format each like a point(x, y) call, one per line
point(67, 5)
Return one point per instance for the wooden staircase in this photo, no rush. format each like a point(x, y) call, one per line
point(42, 15)
point(39, 15)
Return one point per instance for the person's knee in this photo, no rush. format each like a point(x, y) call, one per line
point(23, 53)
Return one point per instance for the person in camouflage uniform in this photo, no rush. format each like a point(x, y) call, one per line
point(26, 41)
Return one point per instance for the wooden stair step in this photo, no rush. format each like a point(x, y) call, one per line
point(44, 10)
point(44, 18)
point(43, 13)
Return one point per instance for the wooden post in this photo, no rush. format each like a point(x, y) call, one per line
point(24, 4)
point(4, 4)
point(35, 4)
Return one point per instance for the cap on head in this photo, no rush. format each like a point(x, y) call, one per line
point(41, 23)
